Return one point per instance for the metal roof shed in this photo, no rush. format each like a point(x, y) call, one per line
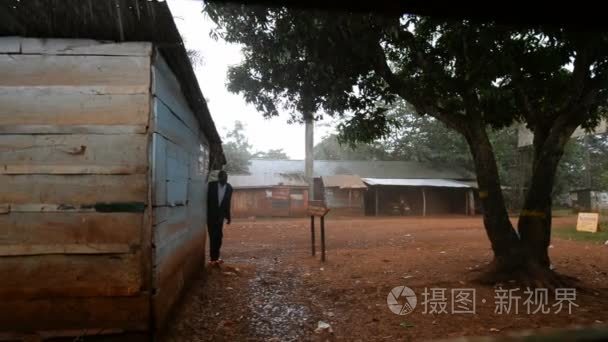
point(439, 183)
point(343, 182)
point(419, 196)
point(266, 180)
point(362, 168)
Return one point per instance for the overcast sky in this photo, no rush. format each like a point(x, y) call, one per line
point(226, 107)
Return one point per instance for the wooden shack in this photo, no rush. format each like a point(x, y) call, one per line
point(344, 194)
point(269, 195)
point(105, 150)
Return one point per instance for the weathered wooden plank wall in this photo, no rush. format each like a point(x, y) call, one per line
point(251, 202)
point(73, 154)
point(72, 189)
point(74, 185)
point(277, 201)
point(107, 74)
point(94, 315)
point(180, 171)
point(53, 110)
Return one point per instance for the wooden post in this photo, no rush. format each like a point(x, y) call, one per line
point(471, 201)
point(323, 238)
point(317, 208)
point(312, 234)
point(423, 203)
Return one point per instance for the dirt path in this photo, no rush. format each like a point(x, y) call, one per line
point(255, 296)
point(271, 289)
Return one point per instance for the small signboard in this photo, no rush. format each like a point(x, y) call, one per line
point(317, 208)
point(587, 222)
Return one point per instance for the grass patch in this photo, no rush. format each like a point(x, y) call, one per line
point(570, 233)
point(562, 212)
point(554, 213)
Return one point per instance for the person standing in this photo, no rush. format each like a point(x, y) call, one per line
point(218, 210)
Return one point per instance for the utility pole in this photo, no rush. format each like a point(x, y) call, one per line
point(309, 145)
point(308, 113)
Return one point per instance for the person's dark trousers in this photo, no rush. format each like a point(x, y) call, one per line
point(215, 240)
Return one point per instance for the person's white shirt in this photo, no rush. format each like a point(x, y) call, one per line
point(221, 191)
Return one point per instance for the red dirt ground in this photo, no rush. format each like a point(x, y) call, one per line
point(272, 289)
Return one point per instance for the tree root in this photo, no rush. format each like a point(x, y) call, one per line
point(527, 275)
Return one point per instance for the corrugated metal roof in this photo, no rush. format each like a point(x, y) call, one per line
point(343, 182)
point(264, 180)
point(362, 168)
point(442, 183)
point(471, 183)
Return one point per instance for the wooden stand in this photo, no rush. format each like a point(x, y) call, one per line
point(317, 208)
point(312, 234)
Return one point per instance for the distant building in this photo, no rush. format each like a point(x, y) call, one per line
point(588, 200)
point(269, 194)
point(278, 188)
point(344, 194)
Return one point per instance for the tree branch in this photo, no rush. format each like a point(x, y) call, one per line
point(584, 93)
point(406, 91)
point(466, 88)
point(517, 79)
point(581, 73)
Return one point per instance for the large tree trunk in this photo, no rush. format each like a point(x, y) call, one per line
point(504, 239)
point(534, 224)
